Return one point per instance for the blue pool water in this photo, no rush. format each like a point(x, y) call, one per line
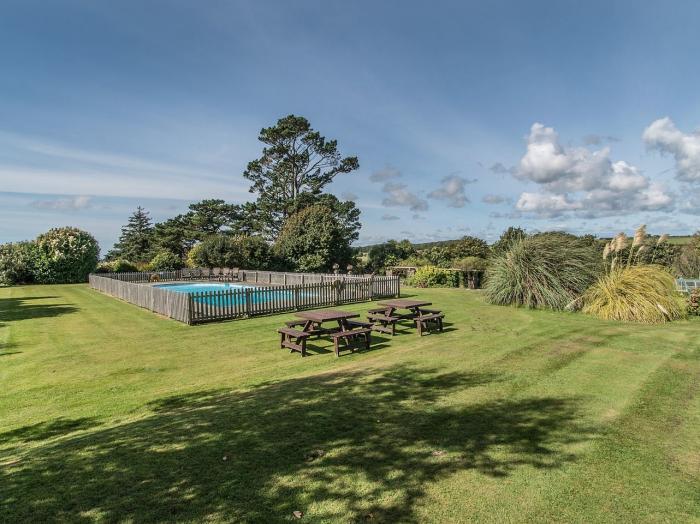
point(202, 287)
point(225, 299)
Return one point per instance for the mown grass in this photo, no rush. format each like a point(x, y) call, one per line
point(110, 413)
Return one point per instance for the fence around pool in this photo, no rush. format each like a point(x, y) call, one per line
point(268, 292)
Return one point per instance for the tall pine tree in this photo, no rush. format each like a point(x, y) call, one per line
point(135, 241)
point(296, 162)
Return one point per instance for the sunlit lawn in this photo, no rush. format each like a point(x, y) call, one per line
point(108, 412)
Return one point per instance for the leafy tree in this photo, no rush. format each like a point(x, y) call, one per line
point(165, 261)
point(295, 160)
point(687, 264)
point(469, 246)
point(232, 251)
point(507, 238)
point(174, 235)
point(213, 216)
point(136, 238)
point(313, 239)
point(65, 255)
point(389, 254)
point(18, 262)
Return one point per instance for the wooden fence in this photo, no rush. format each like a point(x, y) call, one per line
point(267, 293)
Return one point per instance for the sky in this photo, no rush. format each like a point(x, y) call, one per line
point(466, 117)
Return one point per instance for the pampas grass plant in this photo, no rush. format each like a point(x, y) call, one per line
point(644, 293)
point(544, 271)
point(633, 292)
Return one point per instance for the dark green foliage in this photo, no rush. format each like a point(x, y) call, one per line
point(18, 263)
point(469, 246)
point(471, 264)
point(295, 160)
point(431, 276)
point(390, 253)
point(313, 240)
point(65, 255)
point(165, 261)
point(136, 238)
point(687, 263)
point(213, 216)
point(116, 266)
point(440, 256)
point(232, 251)
point(694, 302)
point(549, 270)
point(123, 266)
point(507, 238)
point(174, 235)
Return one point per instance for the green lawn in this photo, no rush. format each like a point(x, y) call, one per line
point(110, 413)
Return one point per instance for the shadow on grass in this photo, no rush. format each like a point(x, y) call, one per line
point(45, 430)
point(339, 447)
point(21, 308)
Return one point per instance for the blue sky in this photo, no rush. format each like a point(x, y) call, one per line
point(467, 117)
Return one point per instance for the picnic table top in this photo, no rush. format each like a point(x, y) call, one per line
point(325, 315)
point(404, 303)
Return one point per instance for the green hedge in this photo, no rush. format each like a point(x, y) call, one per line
point(432, 276)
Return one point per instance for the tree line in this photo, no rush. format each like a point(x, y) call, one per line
point(292, 224)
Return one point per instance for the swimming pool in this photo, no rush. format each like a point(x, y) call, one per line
point(202, 287)
point(225, 295)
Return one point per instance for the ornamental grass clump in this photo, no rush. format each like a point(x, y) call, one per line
point(543, 271)
point(633, 292)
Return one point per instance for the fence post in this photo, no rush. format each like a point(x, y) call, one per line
point(247, 302)
point(189, 308)
point(296, 297)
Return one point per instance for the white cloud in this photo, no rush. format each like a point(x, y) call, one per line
point(75, 203)
point(451, 190)
point(397, 195)
point(552, 205)
point(58, 169)
point(389, 217)
point(493, 199)
point(663, 136)
point(579, 181)
point(385, 174)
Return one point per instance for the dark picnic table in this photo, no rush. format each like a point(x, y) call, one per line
point(345, 330)
point(315, 319)
point(413, 306)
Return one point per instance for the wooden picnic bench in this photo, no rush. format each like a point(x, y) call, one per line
point(347, 330)
point(382, 322)
point(424, 322)
point(293, 339)
point(418, 313)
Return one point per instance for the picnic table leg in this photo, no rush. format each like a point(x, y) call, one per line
point(335, 347)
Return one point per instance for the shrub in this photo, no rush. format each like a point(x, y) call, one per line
point(313, 239)
point(249, 252)
point(165, 261)
point(644, 293)
point(687, 263)
point(507, 239)
point(431, 276)
point(116, 266)
point(471, 264)
point(469, 246)
point(544, 271)
point(694, 302)
point(65, 255)
point(18, 263)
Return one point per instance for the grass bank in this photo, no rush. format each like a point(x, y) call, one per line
point(110, 413)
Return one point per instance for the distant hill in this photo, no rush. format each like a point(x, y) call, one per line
point(678, 240)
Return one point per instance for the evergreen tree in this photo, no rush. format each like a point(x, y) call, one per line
point(296, 160)
point(136, 238)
